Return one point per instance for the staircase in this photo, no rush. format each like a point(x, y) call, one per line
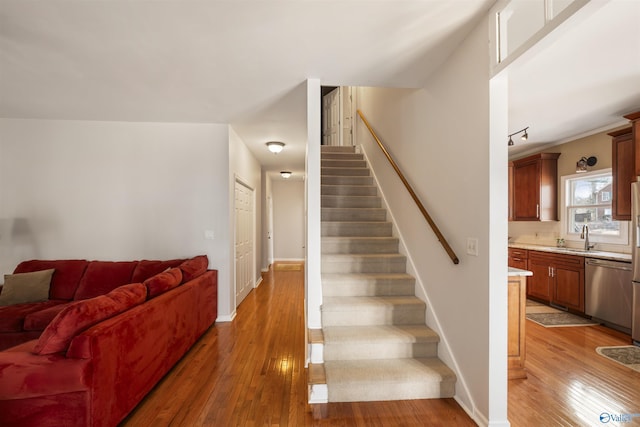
point(376, 344)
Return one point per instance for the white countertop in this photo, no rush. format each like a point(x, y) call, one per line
point(518, 272)
point(614, 256)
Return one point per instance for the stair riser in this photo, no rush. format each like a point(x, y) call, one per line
point(346, 289)
point(368, 392)
point(364, 267)
point(374, 316)
point(371, 246)
point(356, 229)
point(346, 180)
point(353, 214)
point(344, 171)
point(348, 190)
point(379, 350)
point(343, 163)
point(337, 149)
point(350, 202)
point(341, 156)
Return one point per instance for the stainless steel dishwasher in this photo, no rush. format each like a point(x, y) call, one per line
point(608, 292)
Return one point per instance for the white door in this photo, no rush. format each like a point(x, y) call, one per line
point(244, 244)
point(332, 115)
point(348, 115)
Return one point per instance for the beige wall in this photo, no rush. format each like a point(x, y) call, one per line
point(545, 233)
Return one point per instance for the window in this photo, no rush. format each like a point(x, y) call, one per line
point(588, 202)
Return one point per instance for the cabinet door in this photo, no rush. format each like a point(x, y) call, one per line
point(538, 285)
point(526, 197)
point(623, 171)
point(568, 287)
point(510, 191)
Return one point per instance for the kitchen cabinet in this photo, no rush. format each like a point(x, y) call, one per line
point(517, 304)
point(518, 258)
point(623, 171)
point(557, 279)
point(510, 191)
point(634, 118)
point(535, 188)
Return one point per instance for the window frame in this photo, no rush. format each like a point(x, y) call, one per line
point(622, 239)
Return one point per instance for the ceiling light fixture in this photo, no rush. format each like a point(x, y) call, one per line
point(275, 146)
point(285, 174)
point(524, 136)
point(581, 165)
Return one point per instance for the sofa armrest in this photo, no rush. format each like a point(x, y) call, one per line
point(25, 375)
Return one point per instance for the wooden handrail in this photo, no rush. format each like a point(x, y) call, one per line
point(415, 198)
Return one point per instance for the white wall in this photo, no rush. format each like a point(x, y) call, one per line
point(243, 166)
point(288, 220)
point(439, 136)
point(116, 191)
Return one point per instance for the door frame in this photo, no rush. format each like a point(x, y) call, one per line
point(244, 183)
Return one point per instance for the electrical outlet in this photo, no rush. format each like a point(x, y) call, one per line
point(472, 246)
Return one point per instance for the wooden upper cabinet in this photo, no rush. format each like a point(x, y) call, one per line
point(510, 191)
point(535, 188)
point(623, 171)
point(634, 118)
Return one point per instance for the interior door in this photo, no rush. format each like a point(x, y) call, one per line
point(244, 241)
point(331, 117)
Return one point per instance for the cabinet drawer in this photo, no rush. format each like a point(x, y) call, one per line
point(518, 253)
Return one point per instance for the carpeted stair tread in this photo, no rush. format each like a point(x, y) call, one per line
point(367, 284)
point(379, 342)
point(357, 303)
point(359, 244)
point(333, 201)
point(348, 190)
point(353, 214)
point(387, 333)
point(388, 379)
point(346, 180)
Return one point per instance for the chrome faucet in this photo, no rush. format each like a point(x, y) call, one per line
point(585, 235)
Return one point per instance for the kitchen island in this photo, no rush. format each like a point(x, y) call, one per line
point(517, 306)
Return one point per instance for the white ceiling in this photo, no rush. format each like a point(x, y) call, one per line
point(583, 82)
point(244, 62)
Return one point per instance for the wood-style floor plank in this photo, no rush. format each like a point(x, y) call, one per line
point(250, 372)
point(568, 383)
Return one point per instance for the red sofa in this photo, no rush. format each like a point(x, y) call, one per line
point(111, 331)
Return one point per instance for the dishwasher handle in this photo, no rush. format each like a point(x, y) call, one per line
point(608, 264)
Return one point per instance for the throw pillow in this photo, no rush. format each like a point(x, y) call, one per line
point(26, 287)
point(194, 267)
point(163, 282)
point(81, 315)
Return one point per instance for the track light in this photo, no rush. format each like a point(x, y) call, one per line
point(524, 136)
point(275, 146)
point(285, 174)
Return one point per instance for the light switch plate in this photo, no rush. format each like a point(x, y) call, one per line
point(472, 246)
point(208, 234)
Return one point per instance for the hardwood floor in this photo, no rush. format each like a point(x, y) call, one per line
point(568, 383)
point(250, 372)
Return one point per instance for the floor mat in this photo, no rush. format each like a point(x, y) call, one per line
point(559, 319)
point(627, 355)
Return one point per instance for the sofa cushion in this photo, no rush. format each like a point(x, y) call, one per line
point(21, 288)
point(81, 315)
point(65, 278)
point(12, 316)
point(162, 282)
point(101, 277)
point(194, 267)
point(38, 320)
point(148, 268)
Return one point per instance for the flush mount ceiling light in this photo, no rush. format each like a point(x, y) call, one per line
point(275, 146)
point(285, 174)
point(581, 165)
point(524, 136)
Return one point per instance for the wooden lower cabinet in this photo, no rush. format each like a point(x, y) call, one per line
point(557, 279)
point(517, 296)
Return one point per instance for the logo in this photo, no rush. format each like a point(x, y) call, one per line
point(606, 417)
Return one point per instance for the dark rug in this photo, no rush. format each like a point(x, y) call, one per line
point(627, 355)
point(559, 319)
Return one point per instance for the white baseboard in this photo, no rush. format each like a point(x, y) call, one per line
point(288, 259)
point(227, 318)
